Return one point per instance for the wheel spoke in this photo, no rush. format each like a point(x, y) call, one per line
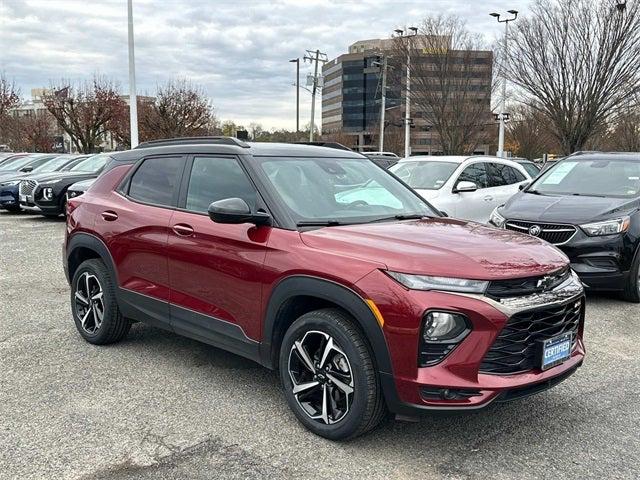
point(83, 321)
point(303, 387)
point(81, 298)
point(86, 284)
point(327, 348)
point(325, 407)
point(97, 296)
point(304, 356)
point(340, 384)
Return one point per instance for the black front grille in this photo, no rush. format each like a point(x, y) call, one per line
point(432, 353)
point(549, 232)
point(516, 349)
point(517, 287)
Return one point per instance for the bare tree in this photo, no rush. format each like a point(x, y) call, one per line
point(85, 111)
point(577, 63)
point(528, 133)
point(180, 109)
point(451, 81)
point(9, 95)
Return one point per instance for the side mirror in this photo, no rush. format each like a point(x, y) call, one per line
point(522, 186)
point(235, 211)
point(26, 169)
point(465, 186)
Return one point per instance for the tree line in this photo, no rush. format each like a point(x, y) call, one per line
point(572, 65)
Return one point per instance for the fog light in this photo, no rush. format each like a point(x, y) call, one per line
point(47, 193)
point(442, 326)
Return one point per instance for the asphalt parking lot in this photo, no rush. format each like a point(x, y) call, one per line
point(161, 406)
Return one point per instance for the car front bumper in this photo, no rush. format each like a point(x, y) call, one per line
point(9, 197)
point(603, 263)
point(458, 381)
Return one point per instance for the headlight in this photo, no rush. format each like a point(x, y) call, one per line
point(609, 227)
point(47, 193)
point(10, 184)
point(73, 194)
point(442, 326)
point(447, 284)
point(497, 219)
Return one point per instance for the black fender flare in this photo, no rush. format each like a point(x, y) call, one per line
point(86, 240)
point(336, 293)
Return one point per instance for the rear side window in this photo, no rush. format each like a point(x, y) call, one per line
point(501, 174)
point(217, 178)
point(476, 173)
point(157, 180)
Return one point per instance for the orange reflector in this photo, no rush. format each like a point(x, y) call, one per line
point(376, 312)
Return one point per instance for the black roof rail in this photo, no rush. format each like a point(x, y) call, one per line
point(218, 140)
point(336, 145)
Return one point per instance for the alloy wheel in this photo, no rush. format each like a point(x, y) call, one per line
point(321, 376)
point(89, 302)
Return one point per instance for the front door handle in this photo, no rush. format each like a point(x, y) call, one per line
point(183, 229)
point(109, 215)
point(488, 198)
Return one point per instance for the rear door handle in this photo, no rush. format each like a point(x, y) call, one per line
point(488, 198)
point(109, 215)
point(183, 229)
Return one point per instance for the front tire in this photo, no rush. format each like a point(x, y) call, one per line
point(94, 306)
point(632, 287)
point(328, 375)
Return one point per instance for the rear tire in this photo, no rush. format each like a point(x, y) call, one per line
point(632, 287)
point(344, 398)
point(94, 306)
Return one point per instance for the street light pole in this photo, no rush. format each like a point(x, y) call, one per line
point(383, 101)
point(503, 101)
point(297, 62)
point(407, 110)
point(133, 102)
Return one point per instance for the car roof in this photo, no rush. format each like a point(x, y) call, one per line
point(229, 145)
point(448, 158)
point(603, 156)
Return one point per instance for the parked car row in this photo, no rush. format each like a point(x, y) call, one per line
point(40, 181)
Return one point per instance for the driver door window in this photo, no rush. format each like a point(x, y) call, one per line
point(476, 173)
point(217, 178)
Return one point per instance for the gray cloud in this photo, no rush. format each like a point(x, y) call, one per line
point(238, 51)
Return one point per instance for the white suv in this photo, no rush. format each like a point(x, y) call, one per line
point(467, 187)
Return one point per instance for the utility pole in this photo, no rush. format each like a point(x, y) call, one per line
point(503, 101)
point(408, 33)
point(314, 57)
point(297, 62)
point(133, 99)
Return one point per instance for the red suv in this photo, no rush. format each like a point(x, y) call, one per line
point(317, 262)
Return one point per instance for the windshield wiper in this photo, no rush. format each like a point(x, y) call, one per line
point(406, 216)
point(319, 223)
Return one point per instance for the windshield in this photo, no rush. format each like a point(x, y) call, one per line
point(53, 164)
point(424, 175)
point(597, 177)
point(531, 168)
point(17, 163)
point(91, 164)
point(340, 190)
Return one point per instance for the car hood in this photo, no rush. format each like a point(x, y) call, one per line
point(69, 177)
point(569, 209)
point(441, 247)
point(83, 185)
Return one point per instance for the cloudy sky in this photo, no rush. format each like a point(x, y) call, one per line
point(238, 51)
